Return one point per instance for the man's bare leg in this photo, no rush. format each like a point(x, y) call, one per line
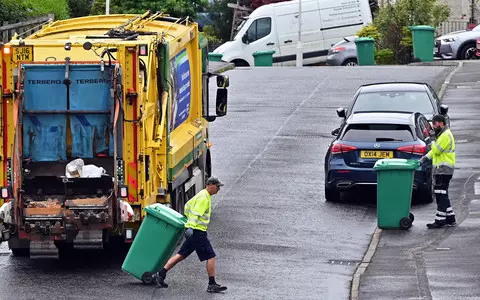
point(213, 287)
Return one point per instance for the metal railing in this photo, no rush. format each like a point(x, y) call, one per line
point(451, 26)
point(23, 28)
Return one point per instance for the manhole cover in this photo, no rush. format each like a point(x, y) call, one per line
point(343, 262)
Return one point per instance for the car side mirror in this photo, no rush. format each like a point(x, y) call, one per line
point(245, 38)
point(341, 112)
point(443, 109)
point(335, 132)
point(222, 99)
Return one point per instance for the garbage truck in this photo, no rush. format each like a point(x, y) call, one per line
point(100, 117)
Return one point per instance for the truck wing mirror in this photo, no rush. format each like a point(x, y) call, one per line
point(221, 106)
point(223, 81)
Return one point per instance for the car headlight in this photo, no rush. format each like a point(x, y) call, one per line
point(337, 49)
point(450, 39)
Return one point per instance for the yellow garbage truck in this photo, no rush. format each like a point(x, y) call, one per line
point(100, 117)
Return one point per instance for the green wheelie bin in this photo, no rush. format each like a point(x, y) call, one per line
point(394, 192)
point(161, 231)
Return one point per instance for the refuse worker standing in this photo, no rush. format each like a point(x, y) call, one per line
point(197, 210)
point(442, 155)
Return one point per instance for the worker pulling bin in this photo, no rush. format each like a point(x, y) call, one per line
point(394, 192)
point(160, 233)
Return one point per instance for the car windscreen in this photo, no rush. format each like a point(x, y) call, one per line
point(393, 101)
point(378, 133)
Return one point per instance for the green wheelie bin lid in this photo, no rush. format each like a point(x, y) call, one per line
point(167, 215)
point(396, 164)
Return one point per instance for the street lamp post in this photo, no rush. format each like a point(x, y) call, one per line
point(299, 44)
point(107, 7)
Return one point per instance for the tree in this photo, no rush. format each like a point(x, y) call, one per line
point(13, 10)
point(393, 21)
point(79, 8)
point(176, 8)
point(44, 7)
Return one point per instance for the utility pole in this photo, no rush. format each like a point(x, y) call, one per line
point(299, 44)
point(107, 7)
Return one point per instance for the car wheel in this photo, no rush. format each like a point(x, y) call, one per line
point(468, 52)
point(351, 62)
point(331, 195)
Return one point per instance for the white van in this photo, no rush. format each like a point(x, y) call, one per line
point(275, 27)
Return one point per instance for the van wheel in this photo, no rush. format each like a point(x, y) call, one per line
point(351, 62)
point(240, 63)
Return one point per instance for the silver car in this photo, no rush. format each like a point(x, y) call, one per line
point(457, 45)
point(343, 53)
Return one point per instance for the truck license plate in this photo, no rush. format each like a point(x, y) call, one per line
point(22, 53)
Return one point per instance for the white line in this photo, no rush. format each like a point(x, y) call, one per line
point(214, 205)
point(477, 188)
point(447, 80)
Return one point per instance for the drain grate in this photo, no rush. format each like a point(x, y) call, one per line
point(343, 262)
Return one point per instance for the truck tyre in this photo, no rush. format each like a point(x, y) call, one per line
point(21, 252)
point(178, 202)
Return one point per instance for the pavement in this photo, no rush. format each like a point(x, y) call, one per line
point(275, 236)
point(439, 264)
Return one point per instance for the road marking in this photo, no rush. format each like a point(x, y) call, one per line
point(442, 249)
point(461, 141)
point(477, 188)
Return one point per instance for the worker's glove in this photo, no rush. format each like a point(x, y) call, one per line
point(188, 233)
point(424, 159)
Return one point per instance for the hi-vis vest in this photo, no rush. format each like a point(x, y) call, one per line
point(443, 153)
point(198, 210)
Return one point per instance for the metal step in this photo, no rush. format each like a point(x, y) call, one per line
point(43, 250)
point(89, 239)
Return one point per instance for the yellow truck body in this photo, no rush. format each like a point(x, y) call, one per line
point(124, 93)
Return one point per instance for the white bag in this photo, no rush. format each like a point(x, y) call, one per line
point(74, 168)
point(92, 171)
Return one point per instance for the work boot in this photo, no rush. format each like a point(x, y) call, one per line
point(216, 288)
point(436, 225)
point(160, 280)
point(451, 221)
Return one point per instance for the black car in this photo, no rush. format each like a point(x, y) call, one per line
point(368, 137)
point(395, 97)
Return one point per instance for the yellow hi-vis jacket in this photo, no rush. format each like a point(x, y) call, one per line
point(198, 210)
point(442, 153)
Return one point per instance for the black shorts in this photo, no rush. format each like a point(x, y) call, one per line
point(199, 243)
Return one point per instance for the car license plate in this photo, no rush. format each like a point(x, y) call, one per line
point(22, 53)
point(376, 154)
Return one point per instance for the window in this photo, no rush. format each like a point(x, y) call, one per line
point(394, 101)
point(259, 29)
point(378, 133)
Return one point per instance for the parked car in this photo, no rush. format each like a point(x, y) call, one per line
point(343, 53)
point(275, 27)
point(457, 45)
point(369, 136)
point(395, 97)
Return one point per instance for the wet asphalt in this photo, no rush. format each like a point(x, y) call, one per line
point(275, 236)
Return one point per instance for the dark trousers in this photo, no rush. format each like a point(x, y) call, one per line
point(445, 212)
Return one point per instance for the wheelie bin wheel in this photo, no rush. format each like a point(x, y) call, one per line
point(147, 278)
point(411, 217)
point(405, 223)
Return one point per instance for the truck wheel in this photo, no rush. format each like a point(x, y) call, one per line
point(20, 252)
point(178, 202)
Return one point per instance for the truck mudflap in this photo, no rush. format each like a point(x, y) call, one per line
point(43, 249)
